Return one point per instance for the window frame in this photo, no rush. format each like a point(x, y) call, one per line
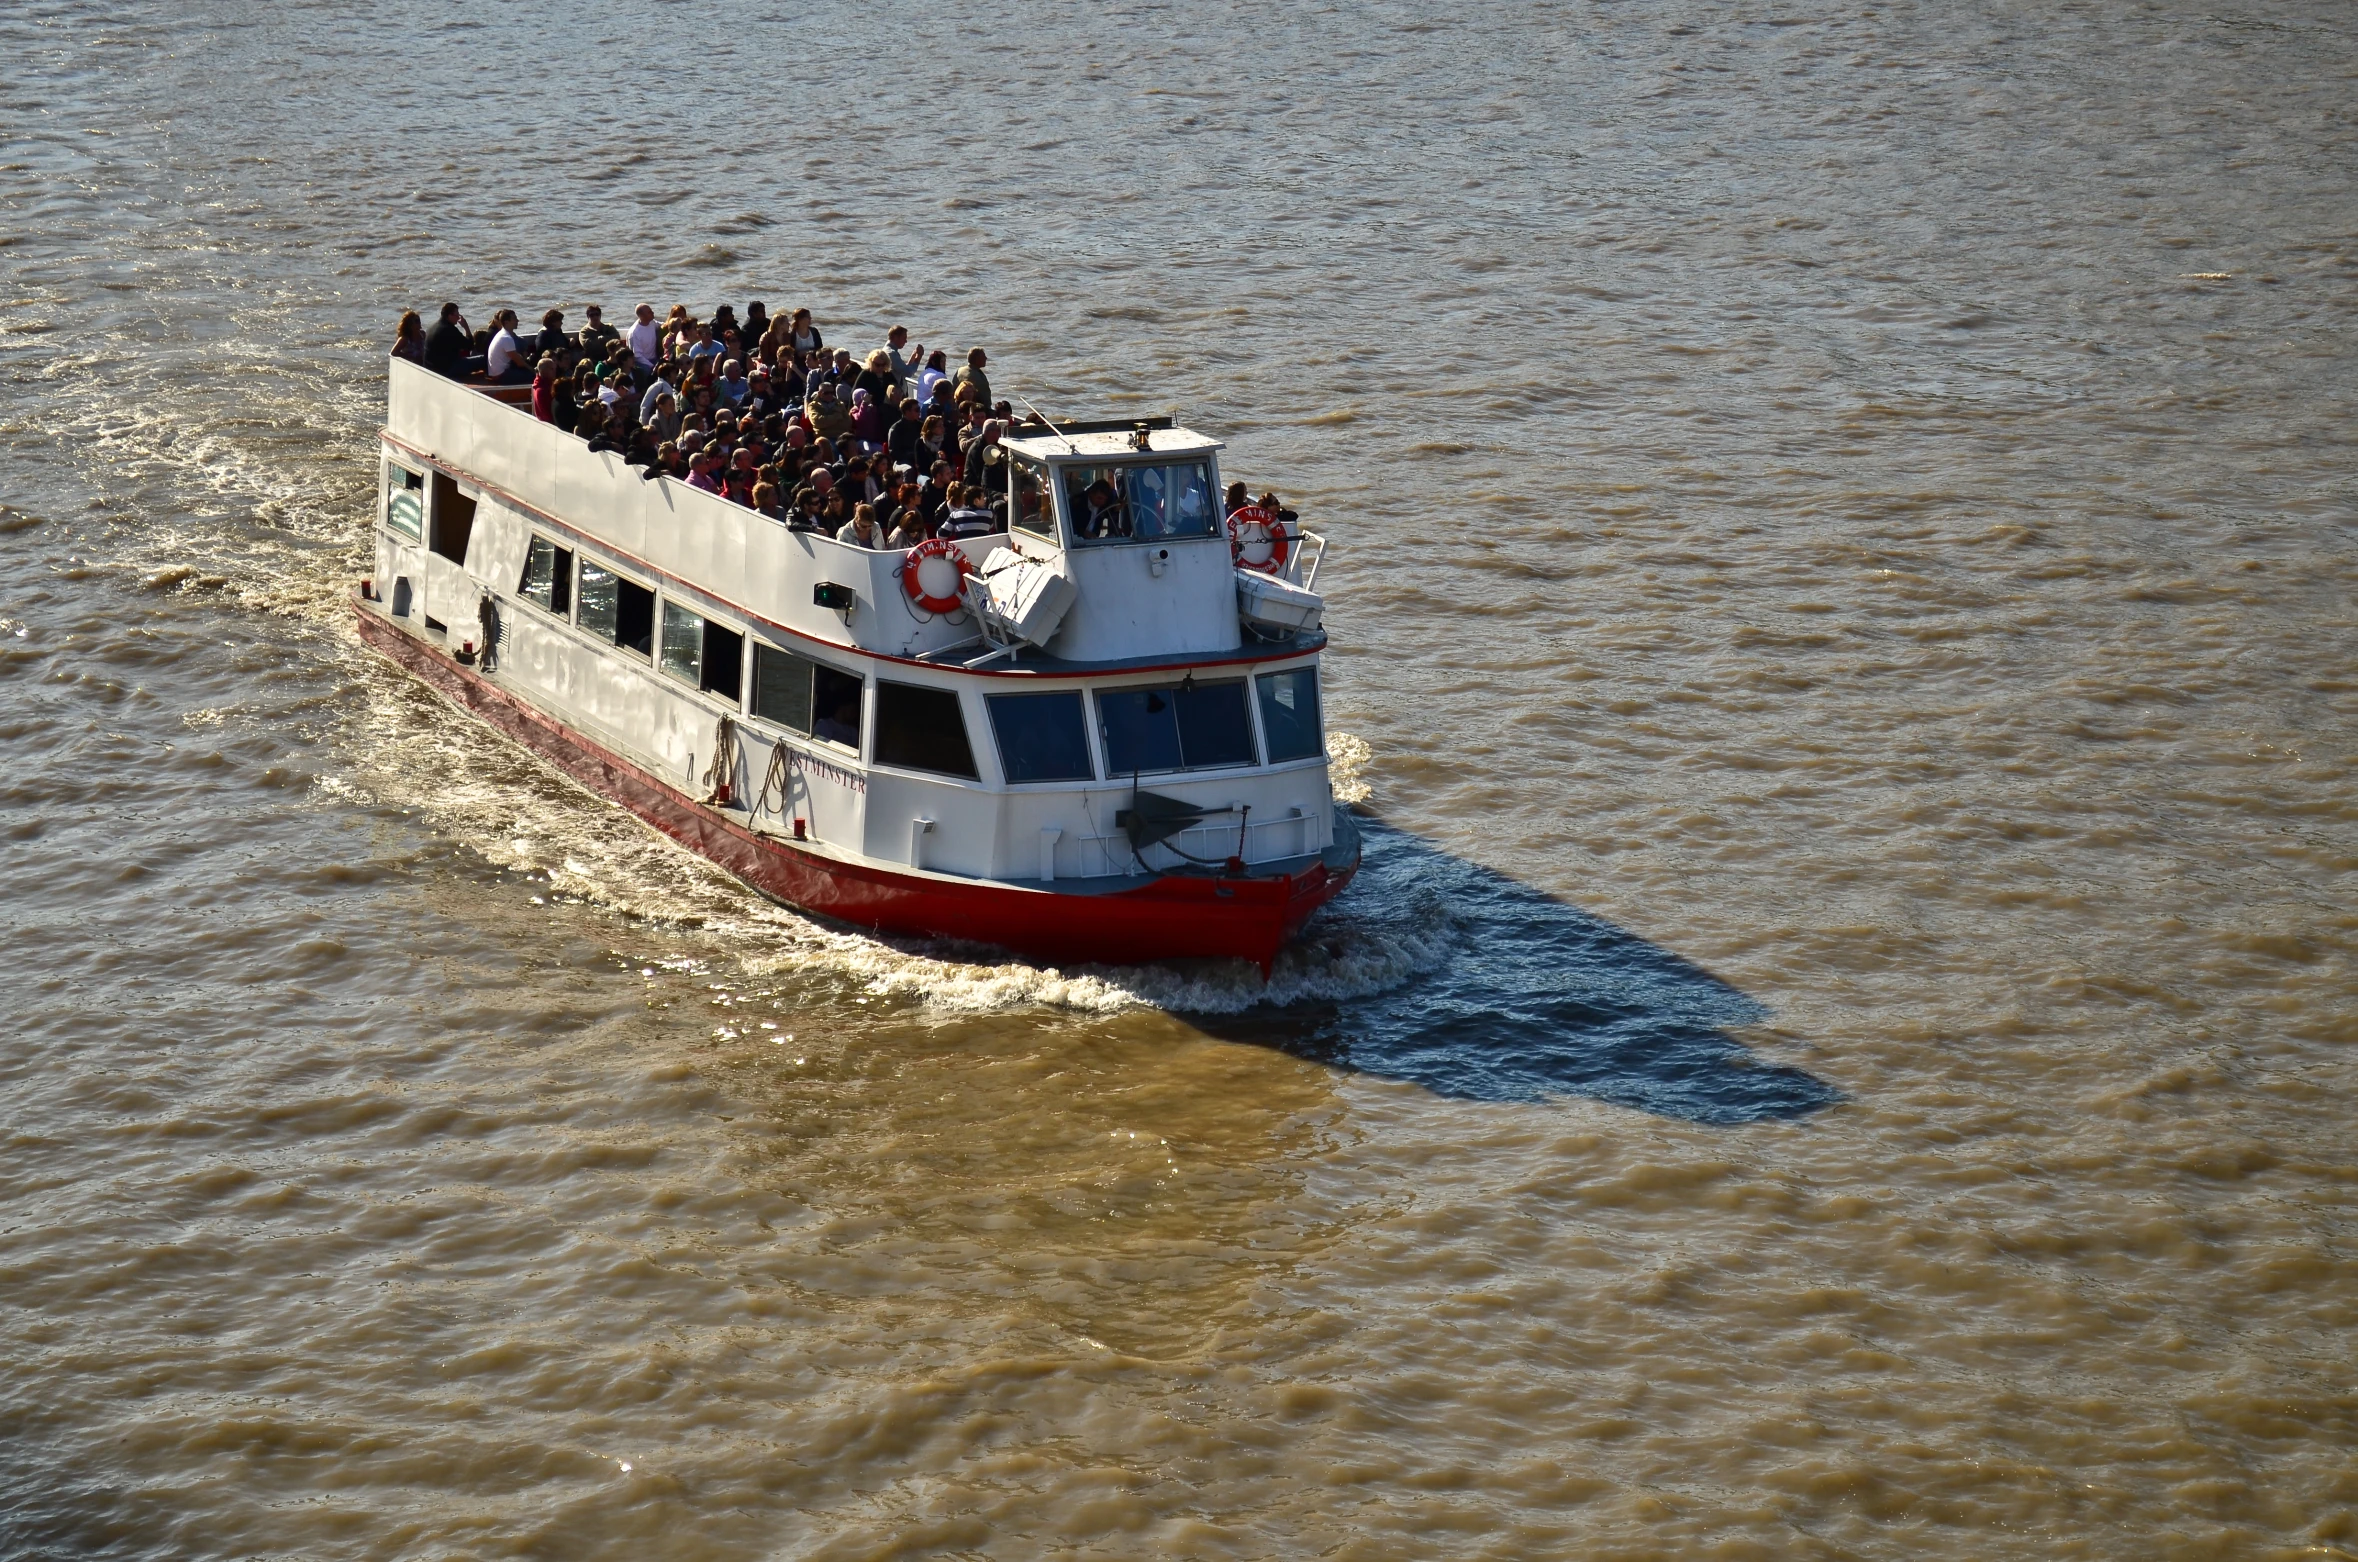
point(1089, 746)
point(560, 578)
point(583, 563)
point(1252, 727)
point(813, 666)
point(1260, 715)
point(971, 775)
point(1165, 459)
point(416, 531)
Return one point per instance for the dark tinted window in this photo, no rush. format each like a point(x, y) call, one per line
point(1289, 714)
point(634, 617)
point(724, 661)
point(597, 599)
point(835, 705)
point(922, 729)
point(1040, 736)
point(781, 687)
point(1176, 727)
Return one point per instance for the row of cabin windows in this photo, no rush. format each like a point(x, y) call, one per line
point(1189, 725)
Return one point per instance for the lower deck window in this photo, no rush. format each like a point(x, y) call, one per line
point(1289, 714)
point(698, 651)
point(922, 729)
point(1184, 726)
point(806, 696)
point(616, 609)
point(548, 577)
point(1041, 736)
point(405, 501)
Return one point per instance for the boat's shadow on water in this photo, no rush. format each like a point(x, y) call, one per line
point(1519, 997)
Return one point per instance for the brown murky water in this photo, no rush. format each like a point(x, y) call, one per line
point(1843, 597)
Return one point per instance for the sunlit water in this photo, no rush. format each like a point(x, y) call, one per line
point(1842, 594)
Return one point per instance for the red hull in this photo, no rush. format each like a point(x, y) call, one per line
point(1176, 916)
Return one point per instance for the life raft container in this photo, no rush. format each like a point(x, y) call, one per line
point(935, 590)
point(1255, 528)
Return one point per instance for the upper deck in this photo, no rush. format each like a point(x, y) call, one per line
point(1131, 520)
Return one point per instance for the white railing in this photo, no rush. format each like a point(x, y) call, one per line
point(722, 549)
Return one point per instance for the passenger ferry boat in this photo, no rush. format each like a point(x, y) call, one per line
point(1092, 736)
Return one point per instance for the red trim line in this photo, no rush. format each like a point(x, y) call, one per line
point(1174, 916)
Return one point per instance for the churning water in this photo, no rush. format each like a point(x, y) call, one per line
point(1842, 593)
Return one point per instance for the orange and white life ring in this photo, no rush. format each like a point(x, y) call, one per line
point(1257, 539)
point(932, 574)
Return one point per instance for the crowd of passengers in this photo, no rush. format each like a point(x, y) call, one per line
point(880, 451)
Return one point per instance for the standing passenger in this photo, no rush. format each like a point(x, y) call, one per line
point(645, 339)
point(449, 347)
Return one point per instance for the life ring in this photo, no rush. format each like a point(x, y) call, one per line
point(1251, 526)
point(913, 566)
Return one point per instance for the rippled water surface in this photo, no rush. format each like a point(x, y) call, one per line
point(1842, 597)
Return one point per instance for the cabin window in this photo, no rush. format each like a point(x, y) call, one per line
point(1041, 736)
point(683, 644)
point(405, 502)
point(699, 651)
point(1141, 503)
point(548, 577)
point(922, 729)
point(1183, 726)
point(616, 609)
point(1027, 505)
point(806, 696)
point(1289, 714)
point(454, 520)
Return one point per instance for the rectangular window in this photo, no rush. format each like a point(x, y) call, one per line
point(1041, 736)
point(405, 502)
point(548, 577)
point(922, 729)
point(1141, 503)
point(782, 688)
point(683, 644)
point(1185, 726)
point(1028, 502)
point(616, 609)
point(724, 662)
point(1289, 714)
point(454, 520)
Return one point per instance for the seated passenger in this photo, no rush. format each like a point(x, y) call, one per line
point(503, 359)
point(976, 448)
point(700, 473)
point(765, 501)
point(826, 415)
point(702, 345)
point(842, 724)
point(1236, 500)
point(867, 418)
point(732, 388)
point(809, 514)
point(552, 337)
point(861, 530)
point(967, 518)
point(409, 338)
point(544, 389)
point(645, 339)
point(450, 346)
point(876, 376)
point(1101, 512)
point(597, 337)
point(905, 440)
point(804, 335)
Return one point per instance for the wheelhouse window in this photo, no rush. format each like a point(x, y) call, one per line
point(922, 729)
point(1137, 502)
point(698, 651)
point(1027, 504)
point(1289, 714)
point(1182, 726)
point(548, 577)
point(806, 696)
point(405, 501)
point(1041, 736)
point(616, 609)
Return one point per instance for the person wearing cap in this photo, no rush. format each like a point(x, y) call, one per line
point(827, 418)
